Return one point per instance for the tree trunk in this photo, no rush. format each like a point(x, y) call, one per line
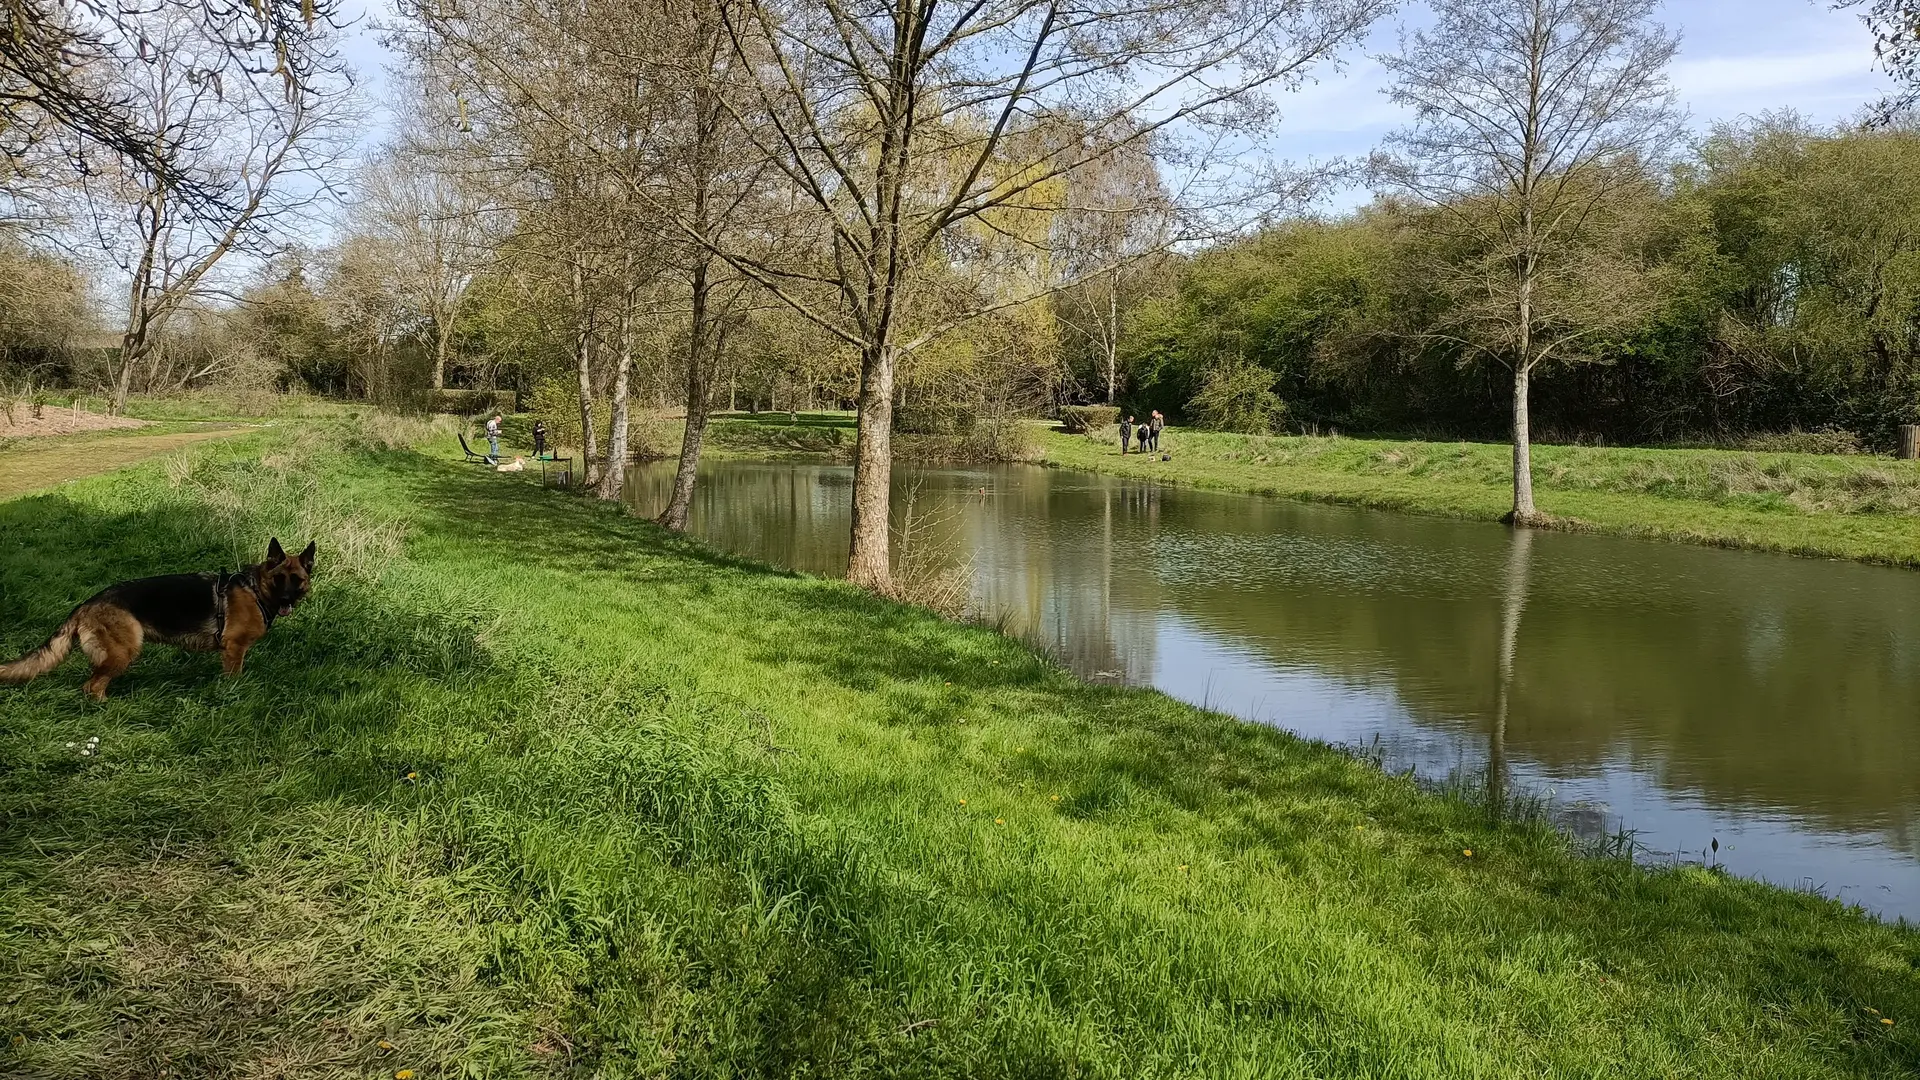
point(1523, 512)
point(123, 382)
point(1523, 509)
point(680, 502)
point(867, 560)
point(440, 335)
point(1110, 333)
point(139, 331)
point(614, 473)
point(583, 357)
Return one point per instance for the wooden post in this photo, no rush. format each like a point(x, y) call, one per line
point(1909, 441)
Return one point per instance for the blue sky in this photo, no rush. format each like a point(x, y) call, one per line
point(1737, 57)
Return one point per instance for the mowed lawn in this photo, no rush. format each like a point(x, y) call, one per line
point(531, 788)
point(1841, 506)
point(31, 464)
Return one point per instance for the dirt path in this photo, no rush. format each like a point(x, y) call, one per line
point(19, 422)
point(40, 463)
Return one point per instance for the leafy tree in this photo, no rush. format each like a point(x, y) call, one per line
point(1237, 396)
point(1534, 120)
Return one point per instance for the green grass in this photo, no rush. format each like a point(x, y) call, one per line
point(532, 788)
point(812, 436)
point(1863, 508)
point(830, 437)
point(29, 464)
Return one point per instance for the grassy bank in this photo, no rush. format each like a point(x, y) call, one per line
point(43, 461)
point(531, 788)
point(1850, 507)
point(829, 437)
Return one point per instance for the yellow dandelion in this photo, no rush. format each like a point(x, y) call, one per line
point(1468, 852)
point(963, 802)
point(1887, 1020)
point(413, 776)
point(1055, 798)
point(1183, 868)
point(385, 1045)
point(999, 821)
point(403, 1074)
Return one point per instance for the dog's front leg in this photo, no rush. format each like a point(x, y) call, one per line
point(233, 656)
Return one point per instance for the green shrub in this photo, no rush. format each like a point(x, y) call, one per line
point(557, 401)
point(517, 430)
point(934, 419)
point(462, 402)
point(1238, 396)
point(1081, 419)
point(1825, 440)
point(1009, 440)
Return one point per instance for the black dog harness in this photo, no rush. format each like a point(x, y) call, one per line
point(223, 586)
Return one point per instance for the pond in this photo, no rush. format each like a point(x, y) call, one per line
point(1682, 694)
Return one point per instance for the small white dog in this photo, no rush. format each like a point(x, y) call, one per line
point(516, 465)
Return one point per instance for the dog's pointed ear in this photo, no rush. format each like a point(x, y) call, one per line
point(275, 553)
point(306, 557)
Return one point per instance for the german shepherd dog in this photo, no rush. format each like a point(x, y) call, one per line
point(223, 613)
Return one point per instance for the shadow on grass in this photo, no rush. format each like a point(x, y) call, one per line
point(793, 951)
point(367, 720)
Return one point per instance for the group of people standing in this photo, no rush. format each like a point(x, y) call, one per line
point(1145, 432)
point(493, 439)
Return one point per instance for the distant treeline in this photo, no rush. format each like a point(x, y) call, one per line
point(1788, 260)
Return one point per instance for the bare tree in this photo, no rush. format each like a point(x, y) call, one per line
point(545, 121)
point(1118, 221)
point(365, 309)
point(920, 132)
point(707, 175)
point(1534, 125)
point(437, 224)
point(258, 151)
point(623, 99)
point(51, 50)
point(1895, 25)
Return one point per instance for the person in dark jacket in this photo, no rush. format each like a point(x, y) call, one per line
point(539, 439)
point(1126, 434)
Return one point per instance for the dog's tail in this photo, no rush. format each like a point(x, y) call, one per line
point(46, 657)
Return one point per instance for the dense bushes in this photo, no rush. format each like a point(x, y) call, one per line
point(463, 402)
point(1237, 396)
point(1787, 260)
point(1080, 419)
point(934, 419)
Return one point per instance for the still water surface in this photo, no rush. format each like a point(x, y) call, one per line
point(1686, 694)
